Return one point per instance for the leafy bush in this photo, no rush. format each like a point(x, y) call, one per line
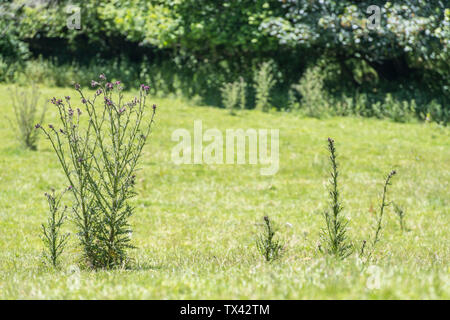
point(398, 111)
point(230, 96)
point(314, 101)
point(99, 158)
point(25, 105)
point(234, 95)
point(263, 83)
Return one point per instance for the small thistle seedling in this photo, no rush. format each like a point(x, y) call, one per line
point(334, 235)
point(400, 212)
point(267, 245)
point(99, 157)
point(264, 82)
point(25, 105)
point(52, 237)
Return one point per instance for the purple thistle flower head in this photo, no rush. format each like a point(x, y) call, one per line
point(69, 188)
point(108, 101)
point(102, 76)
point(79, 111)
point(94, 83)
point(70, 112)
point(99, 92)
point(122, 110)
point(109, 86)
point(37, 126)
point(83, 101)
point(77, 86)
point(53, 100)
point(117, 83)
point(154, 107)
point(51, 126)
point(67, 98)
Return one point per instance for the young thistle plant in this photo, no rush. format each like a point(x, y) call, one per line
point(25, 105)
point(54, 241)
point(99, 156)
point(234, 95)
point(400, 212)
point(264, 81)
point(269, 247)
point(379, 218)
point(334, 235)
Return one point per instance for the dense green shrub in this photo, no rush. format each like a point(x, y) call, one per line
point(314, 101)
point(192, 47)
point(264, 81)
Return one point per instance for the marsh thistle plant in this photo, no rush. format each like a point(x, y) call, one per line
point(26, 112)
point(268, 245)
point(400, 212)
point(264, 81)
point(334, 235)
point(379, 217)
point(54, 240)
point(99, 144)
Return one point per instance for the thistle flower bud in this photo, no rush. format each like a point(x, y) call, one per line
point(37, 126)
point(102, 76)
point(145, 88)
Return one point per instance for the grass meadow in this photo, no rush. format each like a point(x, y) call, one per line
point(195, 225)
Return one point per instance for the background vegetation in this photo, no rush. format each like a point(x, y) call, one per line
point(193, 47)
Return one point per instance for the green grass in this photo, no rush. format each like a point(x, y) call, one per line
point(195, 225)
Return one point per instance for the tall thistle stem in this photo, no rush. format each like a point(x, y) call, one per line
point(334, 235)
point(379, 218)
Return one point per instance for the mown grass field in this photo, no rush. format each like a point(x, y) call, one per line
point(195, 225)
